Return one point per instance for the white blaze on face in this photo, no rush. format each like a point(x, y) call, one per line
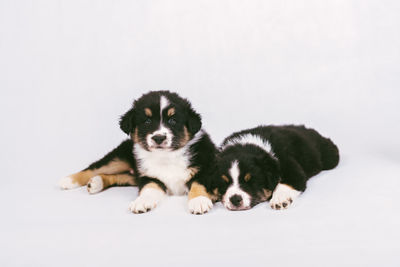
point(162, 130)
point(235, 189)
point(163, 104)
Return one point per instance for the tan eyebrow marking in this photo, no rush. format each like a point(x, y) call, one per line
point(247, 177)
point(148, 112)
point(226, 179)
point(171, 112)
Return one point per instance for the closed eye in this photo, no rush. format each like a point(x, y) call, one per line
point(147, 121)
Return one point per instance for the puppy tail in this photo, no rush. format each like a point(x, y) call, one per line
point(329, 154)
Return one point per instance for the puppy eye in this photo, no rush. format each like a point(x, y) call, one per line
point(172, 121)
point(225, 178)
point(247, 177)
point(147, 121)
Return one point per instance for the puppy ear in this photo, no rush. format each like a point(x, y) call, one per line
point(268, 163)
point(271, 170)
point(193, 122)
point(127, 121)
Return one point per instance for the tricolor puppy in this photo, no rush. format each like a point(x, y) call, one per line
point(167, 153)
point(271, 163)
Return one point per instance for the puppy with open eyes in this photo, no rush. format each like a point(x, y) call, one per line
point(167, 153)
point(271, 163)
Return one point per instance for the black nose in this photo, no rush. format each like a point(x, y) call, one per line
point(159, 138)
point(236, 200)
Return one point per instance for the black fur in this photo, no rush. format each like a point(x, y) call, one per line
point(123, 152)
point(298, 154)
point(204, 154)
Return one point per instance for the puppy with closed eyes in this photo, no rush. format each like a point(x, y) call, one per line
point(271, 163)
point(168, 152)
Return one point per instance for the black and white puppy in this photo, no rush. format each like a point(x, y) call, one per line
point(167, 153)
point(271, 161)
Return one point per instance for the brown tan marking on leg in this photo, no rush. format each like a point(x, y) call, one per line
point(114, 167)
point(199, 199)
point(197, 190)
point(103, 181)
point(81, 178)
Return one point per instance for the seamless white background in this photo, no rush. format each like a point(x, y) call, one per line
point(69, 69)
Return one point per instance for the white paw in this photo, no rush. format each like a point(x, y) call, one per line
point(148, 200)
point(283, 196)
point(67, 183)
point(200, 205)
point(95, 184)
point(143, 204)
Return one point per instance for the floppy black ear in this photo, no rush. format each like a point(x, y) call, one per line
point(271, 170)
point(268, 163)
point(127, 121)
point(193, 122)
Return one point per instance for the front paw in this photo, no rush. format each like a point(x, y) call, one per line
point(280, 203)
point(200, 205)
point(283, 197)
point(142, 204)
point(147, 200)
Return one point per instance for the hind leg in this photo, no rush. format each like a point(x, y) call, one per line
point(82, 178)
point(292, 184)
point(76, 180)
point(103, 181)
point(116, 162)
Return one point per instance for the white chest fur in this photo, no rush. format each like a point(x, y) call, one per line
point(170, 167)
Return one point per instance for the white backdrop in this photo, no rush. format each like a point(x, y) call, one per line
point(69, 69)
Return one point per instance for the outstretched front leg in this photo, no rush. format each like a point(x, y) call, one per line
point(200, 201)
point(118, 161)
point(203, 191)
point(283, 196)
point(292, 184)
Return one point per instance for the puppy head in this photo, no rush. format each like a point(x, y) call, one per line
point(161, 120)
point(246, 179)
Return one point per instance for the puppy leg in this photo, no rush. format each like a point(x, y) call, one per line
point(103, 181)
point(77, 179)
point(117, 161)
point(199, 200)
point(283, 196)
point(150, 195)
point(292, 184)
